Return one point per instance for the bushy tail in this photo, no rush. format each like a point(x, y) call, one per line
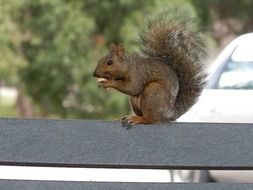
point(182, 47)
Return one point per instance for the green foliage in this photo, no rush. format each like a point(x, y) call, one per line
point(110, 16)
point(61, 59)
point(10, 54)
point(54, 47)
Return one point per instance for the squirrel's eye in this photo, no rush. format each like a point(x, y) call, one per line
point(109, 62)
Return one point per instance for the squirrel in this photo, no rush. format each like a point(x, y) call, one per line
point(165, 80)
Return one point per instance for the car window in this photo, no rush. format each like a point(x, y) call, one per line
point(238, 72)
point(243, 52)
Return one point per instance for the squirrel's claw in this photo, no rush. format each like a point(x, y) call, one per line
point(128, 125)
point(127, 122)
point(101, 85)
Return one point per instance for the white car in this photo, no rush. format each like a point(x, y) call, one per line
point(229, 93)
point(228, 98)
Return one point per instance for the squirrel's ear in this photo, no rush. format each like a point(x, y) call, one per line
point(120, 50)
point(112, 48)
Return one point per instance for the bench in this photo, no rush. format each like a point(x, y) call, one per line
point(103, 144)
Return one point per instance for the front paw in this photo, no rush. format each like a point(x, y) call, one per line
point(104, 84)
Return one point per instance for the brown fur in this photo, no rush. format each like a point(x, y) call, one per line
point(163, 83)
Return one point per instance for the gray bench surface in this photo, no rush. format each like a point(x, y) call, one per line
point(42, 185)
point(81, 143)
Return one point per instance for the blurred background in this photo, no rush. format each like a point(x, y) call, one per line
point(49, 49)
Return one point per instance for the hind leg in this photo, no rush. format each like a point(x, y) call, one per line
point(136, 105)
point(156, 105)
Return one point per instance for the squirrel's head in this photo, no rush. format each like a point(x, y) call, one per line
point(113, 66)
